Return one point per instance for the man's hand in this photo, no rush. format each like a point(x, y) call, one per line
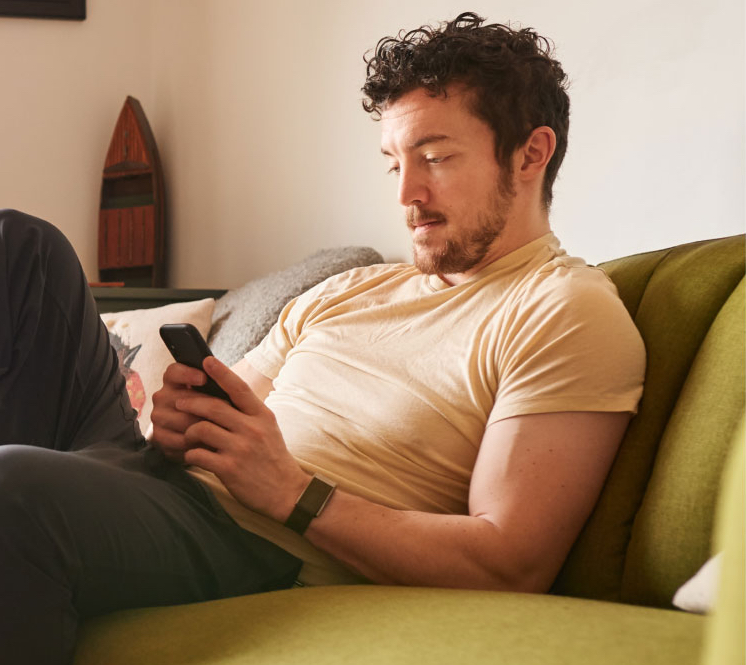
point(242, 446)
point(168, 423)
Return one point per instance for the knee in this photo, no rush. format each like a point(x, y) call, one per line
point(14, 223)
point(36, 257)
point(27, 235)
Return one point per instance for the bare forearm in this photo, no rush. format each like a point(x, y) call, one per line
point(415, 548)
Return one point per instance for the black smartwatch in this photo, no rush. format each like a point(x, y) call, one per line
point(310, 503)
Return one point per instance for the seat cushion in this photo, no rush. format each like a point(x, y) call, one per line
point(374, 624)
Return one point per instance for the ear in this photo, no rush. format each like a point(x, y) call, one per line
point(534, 155)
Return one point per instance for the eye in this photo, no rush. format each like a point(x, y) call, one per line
point(435, 159)
point(393, 169)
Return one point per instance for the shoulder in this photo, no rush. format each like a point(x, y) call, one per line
point(569, 305)
point(570, 345)
point(567, 284)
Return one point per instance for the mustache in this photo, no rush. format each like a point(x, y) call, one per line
point(417, 216)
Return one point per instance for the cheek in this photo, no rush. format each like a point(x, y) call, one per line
point(460, 195)
point(476, 174)
point(451, 190)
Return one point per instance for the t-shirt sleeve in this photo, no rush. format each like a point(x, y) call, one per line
point(571, 345)
point(269, 355)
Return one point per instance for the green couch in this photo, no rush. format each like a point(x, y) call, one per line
point(651, 531)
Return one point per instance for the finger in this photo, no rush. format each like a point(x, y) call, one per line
point(172, 444)
point(239, 391)
point(205, 433)
point(172, 419)
point(166, 396)
point(203, 407)
point(179, 374)
point(205, 459)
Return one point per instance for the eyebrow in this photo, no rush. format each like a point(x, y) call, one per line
point(430, 138)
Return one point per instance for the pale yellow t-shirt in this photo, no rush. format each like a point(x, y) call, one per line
point(385, 379)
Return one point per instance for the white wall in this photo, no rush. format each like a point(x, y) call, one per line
point(62, 85)
point(269, 156)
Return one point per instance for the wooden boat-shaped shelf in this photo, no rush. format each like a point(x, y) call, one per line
point(131, 226)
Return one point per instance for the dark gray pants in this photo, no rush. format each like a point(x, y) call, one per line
point(92, 519)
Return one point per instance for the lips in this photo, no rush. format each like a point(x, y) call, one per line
point(424, 226)
point(420, 220)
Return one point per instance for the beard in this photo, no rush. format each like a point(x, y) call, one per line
point(469, 246)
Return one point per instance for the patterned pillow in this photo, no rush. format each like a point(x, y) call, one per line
point(143, 357)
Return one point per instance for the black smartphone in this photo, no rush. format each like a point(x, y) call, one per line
point(188, 347)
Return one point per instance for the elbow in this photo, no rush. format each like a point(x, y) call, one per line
point(532, 581)
point(519, 579)
point(510, 567)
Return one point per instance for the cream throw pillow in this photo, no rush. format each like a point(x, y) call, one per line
point(699, 593)
point(143, 357)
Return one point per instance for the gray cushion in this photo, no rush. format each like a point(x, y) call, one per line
point(243, 316)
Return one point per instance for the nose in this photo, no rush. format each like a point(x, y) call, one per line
point(413, 188)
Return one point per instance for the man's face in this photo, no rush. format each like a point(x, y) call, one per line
point(456, 196)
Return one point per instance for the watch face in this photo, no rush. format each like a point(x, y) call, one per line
point(310, 504)
point(313, 500)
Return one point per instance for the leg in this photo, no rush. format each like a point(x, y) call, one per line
point(111, 525)
point(92, 531)
point(60, 384)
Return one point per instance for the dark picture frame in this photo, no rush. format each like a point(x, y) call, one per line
point(69, 9)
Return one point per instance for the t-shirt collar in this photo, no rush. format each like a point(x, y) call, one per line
point(507, 263)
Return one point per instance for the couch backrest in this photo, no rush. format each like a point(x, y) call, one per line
point(651, 529)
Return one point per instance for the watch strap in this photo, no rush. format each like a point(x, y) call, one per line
point(310, 503)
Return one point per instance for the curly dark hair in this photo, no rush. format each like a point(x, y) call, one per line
point(516, 84)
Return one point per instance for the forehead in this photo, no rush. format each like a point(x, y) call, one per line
point(417, 115)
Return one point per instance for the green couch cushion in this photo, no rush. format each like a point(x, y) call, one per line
point(375, 625)
point(671, 535)
point(673, 295)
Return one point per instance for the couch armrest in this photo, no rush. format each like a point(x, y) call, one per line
point(724, 637)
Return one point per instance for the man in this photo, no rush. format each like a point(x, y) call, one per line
point(467, 408)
